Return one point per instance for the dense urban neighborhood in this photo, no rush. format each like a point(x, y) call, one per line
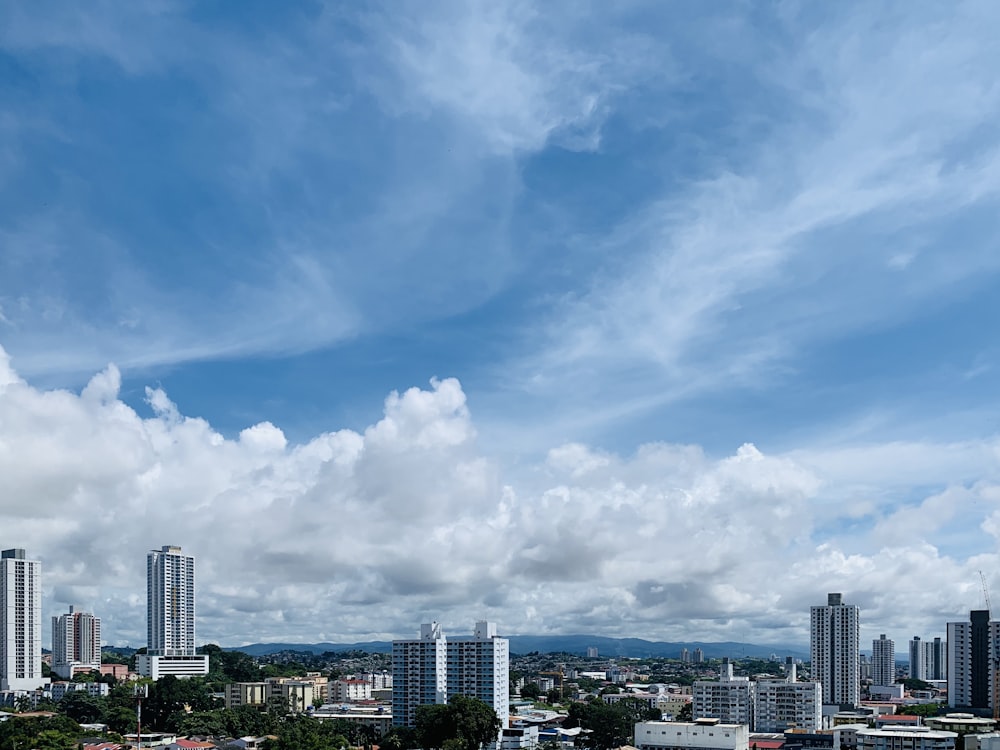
point(466, 691)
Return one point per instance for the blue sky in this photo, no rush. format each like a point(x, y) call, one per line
point(630, 233)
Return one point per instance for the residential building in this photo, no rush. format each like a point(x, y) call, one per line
point(905, 738)
point(419, 673)
point(58, 690)
point(961, 724)
point(928, 659)
point(702, 734)
point(685, 656)
point(729, 700)
point(20, 622)
point(479, 667)
point(76, 643)
point(970, 648)
point(698, 657)
point(350, 690)
point(170, 616)
point(247, 694)
point(433, 668)
point(833, 648)
point(883, 661)
point(788, 704)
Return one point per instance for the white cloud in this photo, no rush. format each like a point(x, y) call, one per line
point(352, 535)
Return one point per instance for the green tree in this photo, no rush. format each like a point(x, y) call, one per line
point(531, 691)
point(464, 723)
point(686, 713)
point(82, 708)
point(302, 732)
point(610, 725)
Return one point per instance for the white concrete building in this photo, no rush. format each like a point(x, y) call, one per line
point(433, 668)
point(170, 617)
point(928, 659)
point(788, 704)
point(76, 643)
point(702, 734)
point(905, 738)
point(833, 649)
point(419, 673)
point(883, 661)
point(729, 700)
point(350, 690)
point(20, 622)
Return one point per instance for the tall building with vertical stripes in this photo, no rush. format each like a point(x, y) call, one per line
point(971, 646)
point(433, 668)
point(76, 643)
point(20, 622)
point(833, 649)
point(170, 616)
point(883, 661)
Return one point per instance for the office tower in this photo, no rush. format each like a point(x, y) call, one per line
point(788, 704)
point(969, 649)
point(170, 617)
point(433, 668)
point(20, 622)
point(883, 662)
point(76, 643)
point(730, 700)
point(833, 648)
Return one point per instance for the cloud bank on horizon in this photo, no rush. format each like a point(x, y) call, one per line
point(359, 535)
point(718, 282)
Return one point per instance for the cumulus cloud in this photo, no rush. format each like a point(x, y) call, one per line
point(361, 534)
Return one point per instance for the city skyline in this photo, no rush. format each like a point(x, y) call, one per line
point(646, 319)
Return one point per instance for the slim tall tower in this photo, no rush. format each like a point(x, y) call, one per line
point(833, 648)
point(419, 673)
point(170, 616)
point(883, 661)
point(20, 622)
point(76, 643)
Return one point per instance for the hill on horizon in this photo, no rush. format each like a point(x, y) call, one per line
point(572, 644)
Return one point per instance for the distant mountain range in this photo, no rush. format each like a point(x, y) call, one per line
point(572, 644)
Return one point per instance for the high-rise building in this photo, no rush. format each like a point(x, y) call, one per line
point(788, 704)
point(970, 647)
point(883, 661)
point(685, 656)
point(20, 622)
point(937, 660)
point(698, 657)
point(433, 668)
point(730, 700)
point(833, 649)
point(76, 643)
point(170, 617)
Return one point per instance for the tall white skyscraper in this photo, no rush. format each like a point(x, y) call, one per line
point(20, 622)
point(170, 617)
point(433, 668)
point(76, 643)
point(883, 661)
point(833, 649)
